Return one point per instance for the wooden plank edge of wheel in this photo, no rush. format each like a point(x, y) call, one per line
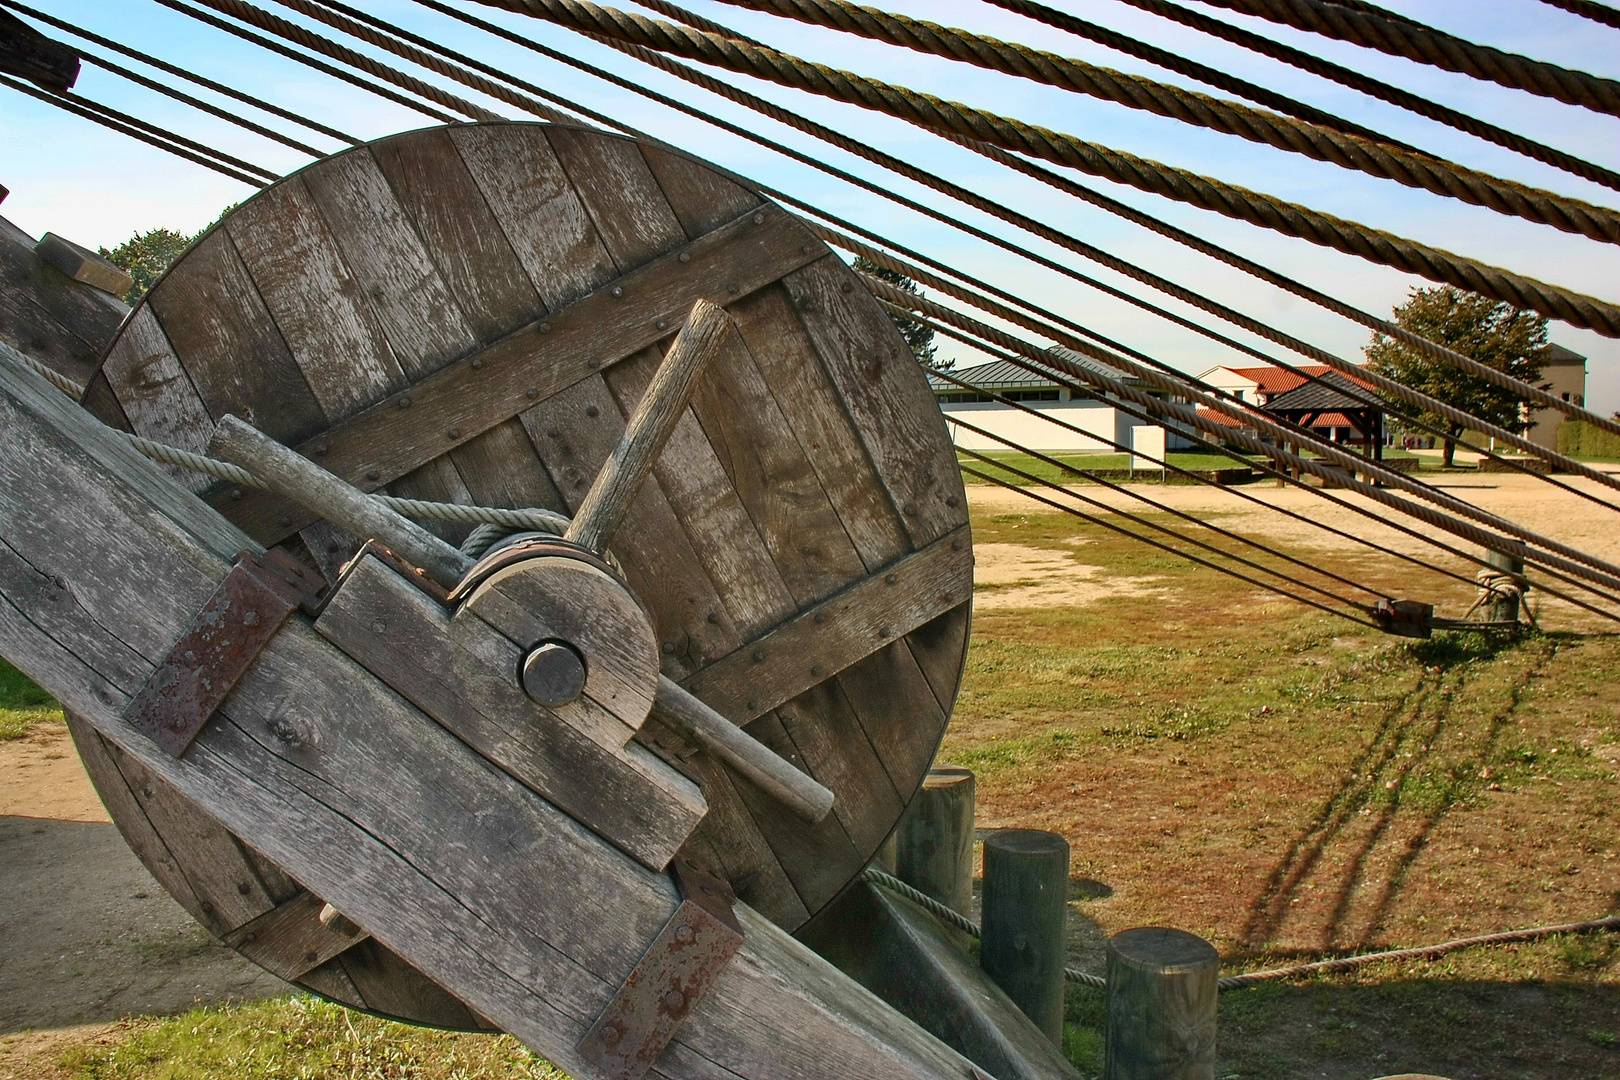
point(494, 384)
point(777, 1003)
point(869, 614)
point(626, 795)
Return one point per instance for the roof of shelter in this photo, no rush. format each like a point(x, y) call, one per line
point(1327, 395)
point(1005, 375)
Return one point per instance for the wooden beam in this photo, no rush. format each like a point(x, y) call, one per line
point(529, 365)
point(28, 54)
point(82, 264)
point(839, 632)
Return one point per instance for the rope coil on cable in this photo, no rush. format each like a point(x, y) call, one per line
point(949, 118)
point(1399, 36)
point(1372, 155)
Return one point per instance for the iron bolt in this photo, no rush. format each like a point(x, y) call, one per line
point(553, 673)
point(684, 934)
point(674, 999)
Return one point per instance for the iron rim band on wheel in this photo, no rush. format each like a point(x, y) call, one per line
point(471, 314)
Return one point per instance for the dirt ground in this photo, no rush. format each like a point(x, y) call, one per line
point(1178, 813)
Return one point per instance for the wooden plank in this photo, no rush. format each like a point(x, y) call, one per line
point(538, 210)
point(940, 649)
point(835, 750)
point(886, 394)
point(99, 402)
point(502, 468)
point(316, 301)
point(773, 479)
point(64, 616)
point(415, 310)
point(156, 394)
point(810, 403)
point(226, 340)
point(290, 939)
point(387, 984)
point(701, 198)
point(48, 315)
point(575, 431)
point(461, 235)
point(897, 710)
point(727, 840)
point(527, 366)
point(332, 982)
point(626, 205)
point(82, 264)
point(819, 859)
point(707, 506)
point(437, 481)
point(837, 633)
point(462, 673)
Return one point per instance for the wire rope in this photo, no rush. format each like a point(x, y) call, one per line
point(1589, 9)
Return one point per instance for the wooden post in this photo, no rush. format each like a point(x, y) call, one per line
point(1505, 608)
point(1026, 899)
point(934, 841)
point(1162, 986)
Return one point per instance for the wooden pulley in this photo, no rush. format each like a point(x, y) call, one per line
point(475, 314)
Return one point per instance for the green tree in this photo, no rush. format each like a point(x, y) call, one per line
point(917, 335)
point(1495, 334)
point(145, 256)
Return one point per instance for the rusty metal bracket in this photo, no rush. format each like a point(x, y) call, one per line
point(413, 574)
point(226, 636)
point(535, 547)
point(682, 962)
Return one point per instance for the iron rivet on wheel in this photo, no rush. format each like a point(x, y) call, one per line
point(592, 410)
point(759, 219)
point(618, 290)
point(453, 433)
point(686, 256)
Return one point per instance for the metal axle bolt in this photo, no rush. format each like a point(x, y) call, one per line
point(553, 673)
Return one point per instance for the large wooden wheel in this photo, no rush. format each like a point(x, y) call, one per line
point(469, 314)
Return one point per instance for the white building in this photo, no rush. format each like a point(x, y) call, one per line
point(1047, 416)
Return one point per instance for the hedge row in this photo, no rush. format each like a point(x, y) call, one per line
point(1578, 439)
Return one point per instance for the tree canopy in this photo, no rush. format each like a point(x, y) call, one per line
point(145, 256)
point(918, 336)
point(1495, 334)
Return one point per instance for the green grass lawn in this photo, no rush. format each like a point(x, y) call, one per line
point(22, 704)
point(1190, 460)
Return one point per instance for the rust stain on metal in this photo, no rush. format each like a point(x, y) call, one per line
point(682, 962)
point(222, 642)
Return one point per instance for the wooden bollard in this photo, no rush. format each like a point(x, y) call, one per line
point(1026, 899)
point(934, 842)
point(1505, 608)
point(1162, 986)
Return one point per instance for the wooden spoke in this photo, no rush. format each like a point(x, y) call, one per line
point(839, 632)
point(650, 426)
point(291, 938)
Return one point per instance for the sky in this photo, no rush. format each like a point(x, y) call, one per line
point(97, 187)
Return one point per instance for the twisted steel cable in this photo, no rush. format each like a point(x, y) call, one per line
point(937, 115)
point(1589, 9)
point(1374, 156)
point(1399, 36)
point(1326, 69)
point(308, 61)
point(1568, 559)
point(274, 24)
point(458, 70)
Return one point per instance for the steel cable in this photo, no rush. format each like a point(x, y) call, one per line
point(1374, 156)
point(1589, 9)
point(1532, 393)
point(190, 76)
point(943, 117)
point(308, 61)
point(135, 129)
point(1400, 36)
point(1344, 76)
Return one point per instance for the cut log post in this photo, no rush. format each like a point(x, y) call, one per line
point(644, 436)
point(1026, 895)
point(289, 473)
point(1505, 606)
point(795, 790)
point(1162, 986)
point(934, 841)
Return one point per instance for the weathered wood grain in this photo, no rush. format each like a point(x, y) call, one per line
point(816, 416)
point(837, 633)
point(463, 673)
point(886, 394)
point(290, 939)
point(396, 823)
point(459, 232)
point(225, 339)
point(437, 481)
point(43, 312)
point(156, 394)
point(495, 383)
point(575, 432)
point(502, 468)
point(319, 306)
point(418, 316)
point(898, 712)
point(701, 198)
point(538, 210)
point(386, 983)
point(835, 750)
point(82, 264)
point(626, 205)
point(940, 648)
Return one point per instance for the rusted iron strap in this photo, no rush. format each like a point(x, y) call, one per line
point(222, 642)
point(683, 961)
